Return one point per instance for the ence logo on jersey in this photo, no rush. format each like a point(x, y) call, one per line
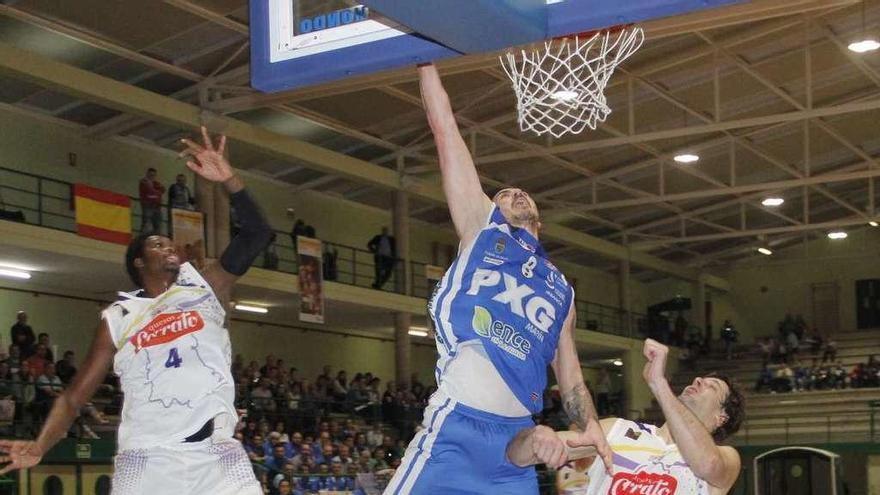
point(501, 334)
point(642, 484)
point(521, 299)
point(167, 327)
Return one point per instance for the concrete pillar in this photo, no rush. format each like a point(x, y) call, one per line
point(402, 368)
point(402, 321)
point(623, 297)
point(400, 218)
point(637, 395)
point(204, 191)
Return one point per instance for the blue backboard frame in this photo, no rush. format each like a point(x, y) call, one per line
point(564, 17)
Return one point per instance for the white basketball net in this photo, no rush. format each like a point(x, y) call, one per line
point(561, 89)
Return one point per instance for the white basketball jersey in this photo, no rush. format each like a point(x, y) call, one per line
point(643, 464)
point(173, 360)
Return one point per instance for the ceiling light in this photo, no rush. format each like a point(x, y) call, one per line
point(686, 158)
point(418, 333)
point(867, 42)
point(251, 309)
point(565, 95)
point(873, 223)
point(865, 45)
point(12, 273)
point(772, 201)
point(617, 362)
point(837, 235)
point(765, 251)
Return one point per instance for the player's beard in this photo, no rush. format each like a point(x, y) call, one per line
point(524, 219)
point(173, 269)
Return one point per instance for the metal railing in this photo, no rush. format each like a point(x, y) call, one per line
point(850, 426)
point(48, 202)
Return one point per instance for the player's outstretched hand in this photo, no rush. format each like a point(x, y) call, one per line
point(594, 436)
point(548, 448)
point(207, 160)
point(655, 369)
point(19, 454)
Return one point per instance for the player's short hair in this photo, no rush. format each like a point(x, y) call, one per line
point(734, 407)
point(134, 251)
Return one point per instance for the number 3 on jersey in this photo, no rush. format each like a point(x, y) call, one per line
point(174, 359)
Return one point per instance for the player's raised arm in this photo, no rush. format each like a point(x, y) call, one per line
point(23, 454)
point(576, 398)
point(717, 465)
point(255, 234)
point(468, 204)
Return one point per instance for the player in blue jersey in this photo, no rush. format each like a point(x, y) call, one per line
point(502, 313)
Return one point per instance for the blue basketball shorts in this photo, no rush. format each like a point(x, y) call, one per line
point(462, 450)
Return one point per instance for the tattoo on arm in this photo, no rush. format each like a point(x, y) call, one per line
point(579, 406)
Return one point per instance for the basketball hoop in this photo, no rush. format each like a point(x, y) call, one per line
point(560, 89)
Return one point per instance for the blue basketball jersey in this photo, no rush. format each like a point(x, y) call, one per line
point(503, 291)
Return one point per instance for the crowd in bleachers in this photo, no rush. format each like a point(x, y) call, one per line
point(307, 435)
point(31, 379)
point(796, 377)
point(783, 371)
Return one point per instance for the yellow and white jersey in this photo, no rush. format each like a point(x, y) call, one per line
point(643, 464)
point(173, 360)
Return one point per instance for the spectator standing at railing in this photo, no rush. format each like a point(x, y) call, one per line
point(150, 191)
point(179, 195)
point(331, 255)
point(384, 252)
point(22, 335)
point(299, 229)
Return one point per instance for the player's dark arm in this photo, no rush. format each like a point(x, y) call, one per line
point(24, 454)
point(253, 237)
point(255, 233)
point(576, 400)
point(468, 204)
point(717, 465)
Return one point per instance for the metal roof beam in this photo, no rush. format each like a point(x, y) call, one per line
point(80, 83)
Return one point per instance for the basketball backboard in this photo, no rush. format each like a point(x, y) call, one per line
point(298, 43)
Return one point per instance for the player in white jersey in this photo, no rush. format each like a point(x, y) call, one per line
point(170, 347)
point(682, 457)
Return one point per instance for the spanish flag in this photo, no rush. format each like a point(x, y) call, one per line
point(102, 215)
